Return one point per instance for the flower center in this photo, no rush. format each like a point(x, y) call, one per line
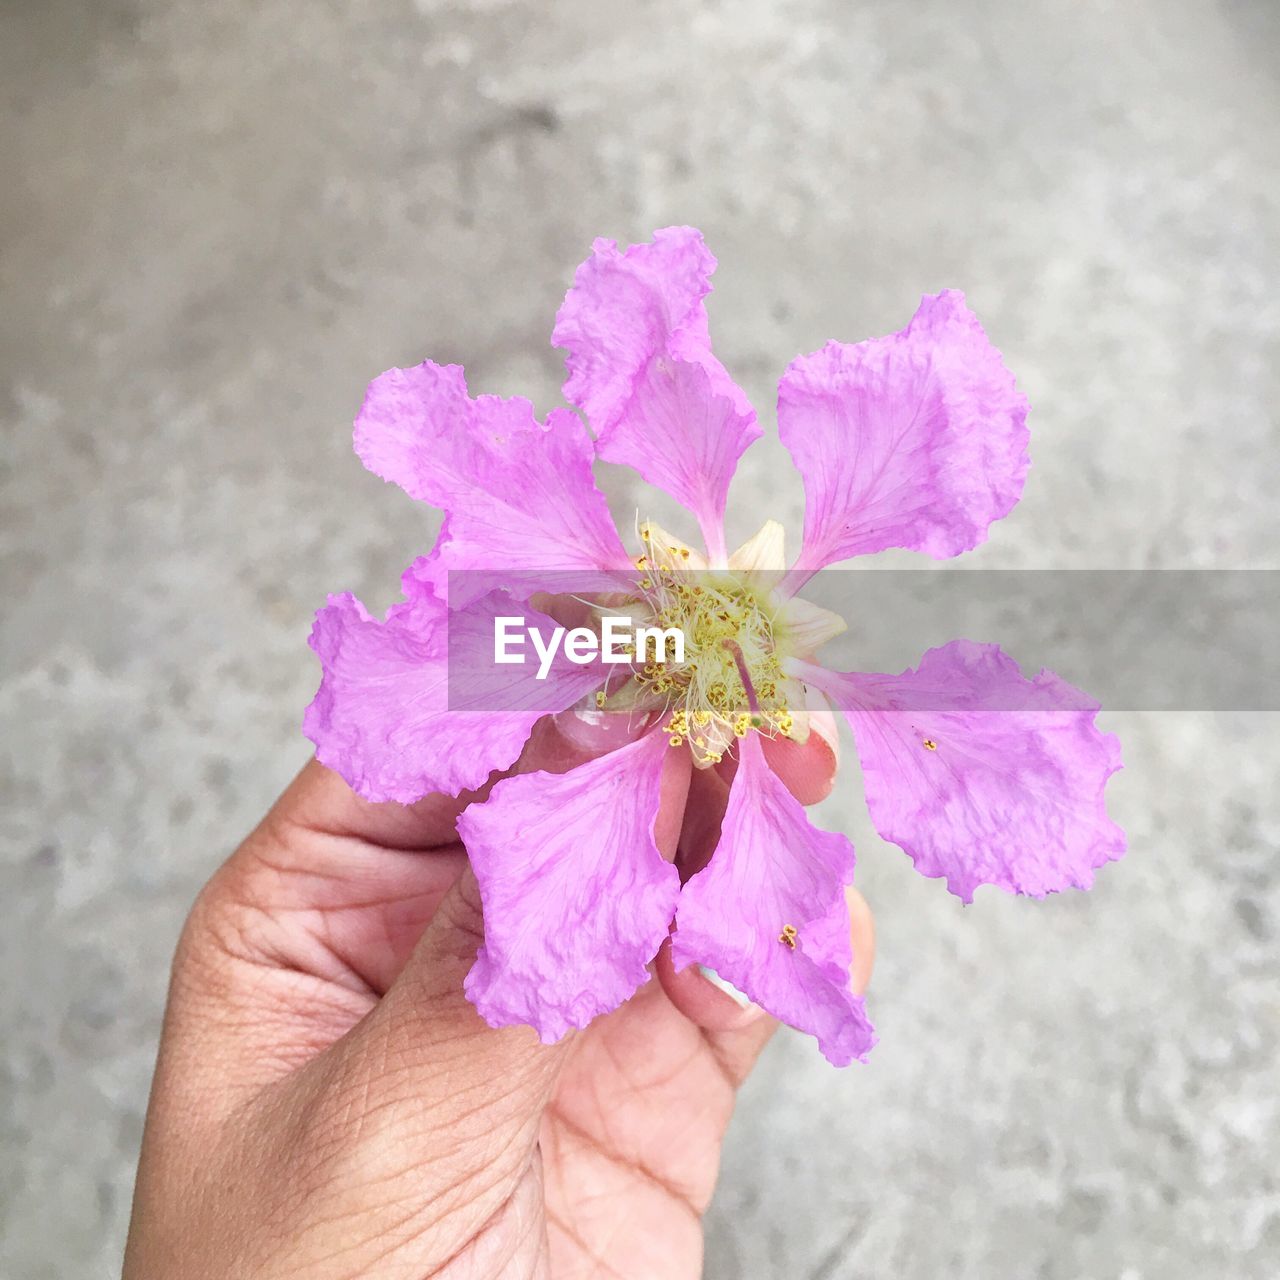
point(729, 679)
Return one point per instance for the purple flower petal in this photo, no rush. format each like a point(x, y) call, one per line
point(519, 494)
point(392, 721)
point(916, 440)
point(773, 876)
point(981, 775)
point(641, 368)
point(683, 437)
point(429, 575)
point(577, 897)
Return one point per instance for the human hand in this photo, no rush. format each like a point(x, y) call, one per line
point(327, 1104)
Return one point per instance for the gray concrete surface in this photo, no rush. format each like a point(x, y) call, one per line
point(219, 220)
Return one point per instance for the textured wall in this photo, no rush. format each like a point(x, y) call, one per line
point(218, 220)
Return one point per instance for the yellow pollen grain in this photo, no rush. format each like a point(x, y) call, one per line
point(930, 745)
point(789, 935)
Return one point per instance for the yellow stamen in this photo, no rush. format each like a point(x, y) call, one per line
point(730, 677)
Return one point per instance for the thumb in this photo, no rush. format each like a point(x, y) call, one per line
point(412, 1139)
point(432, 1115)
point(435, 1039)
point(435, 1082)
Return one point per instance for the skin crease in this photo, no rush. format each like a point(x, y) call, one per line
point(327, 1105)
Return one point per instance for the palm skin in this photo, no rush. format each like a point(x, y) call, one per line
point(326, 1104)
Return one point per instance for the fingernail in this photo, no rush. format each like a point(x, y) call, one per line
point(743, 1001)
point(590, 729)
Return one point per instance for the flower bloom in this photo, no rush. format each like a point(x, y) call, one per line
point(917, 440)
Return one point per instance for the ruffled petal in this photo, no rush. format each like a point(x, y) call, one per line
point(917, 440)
point(393, 720)
point(577, 897)
point(640, 367)
point(429, 575)
point(518, 493)
point(774, 876)
point(981, 775)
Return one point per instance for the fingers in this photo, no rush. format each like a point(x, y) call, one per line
point(862, 928)
point(704, 998)
point(737, 1028)
point(808, 768)
point(318, 800)
point(335, 903)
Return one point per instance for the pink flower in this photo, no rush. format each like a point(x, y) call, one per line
point(917, 440)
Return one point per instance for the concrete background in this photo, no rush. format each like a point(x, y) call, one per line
point(219, 220)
